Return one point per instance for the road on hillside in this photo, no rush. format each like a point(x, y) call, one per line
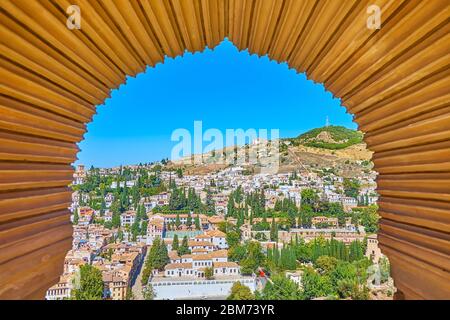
point(137, 286)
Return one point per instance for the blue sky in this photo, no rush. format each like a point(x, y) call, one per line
point(223, 88)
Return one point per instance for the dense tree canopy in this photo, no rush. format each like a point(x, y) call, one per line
point(184, 248)
point(351, 187)
point(280, 288)
point(369, 218)
point(90, 286)
point(240, 292)
point(157, 259)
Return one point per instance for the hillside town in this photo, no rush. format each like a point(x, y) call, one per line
point(151, 231)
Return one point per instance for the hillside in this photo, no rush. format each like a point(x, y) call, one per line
point(327, 147)
point(331, 137)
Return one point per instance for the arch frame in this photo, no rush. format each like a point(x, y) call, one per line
point(394, 80)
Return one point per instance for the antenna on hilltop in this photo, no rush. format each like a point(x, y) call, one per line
point(327, 122)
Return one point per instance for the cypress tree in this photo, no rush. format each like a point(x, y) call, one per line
point(75, 217)
point(175, 243)
point(177, 220)
point(273, 231)
point(184, 248)
point(189, 220)
point(197, 222)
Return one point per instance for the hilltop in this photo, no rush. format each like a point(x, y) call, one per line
point(330, 137)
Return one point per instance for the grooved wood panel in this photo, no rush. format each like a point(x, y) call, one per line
point(395, 81)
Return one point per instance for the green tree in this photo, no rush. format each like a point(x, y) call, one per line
point(233, 238)
point(149, 292)
point(177, 220)
point(135, 230)
point(210, 205)
point(115, 221)
point(197, 223)
point(184, 248)
point(120, 235)
point(351, 187)
point(350, 288)
point(314, 285)
point(309, 197)
point(237, 253)
point(278, 206)
point(189, 220)
point(325, 264)
point(157, 259)
point(349, 278)
point(385, 269)
point(356, 251)
point(231, 206)
point(254, 258)
point(369, 218)
point(240, 292)
point(75, 217)
point(306, 213)
point(91, 284)
point(273, 231)
point(141, 214)
point(280, 288)
point(144, 228)
point(129, 295)
point(336, 210)
point(209, 273)
point(175, 243)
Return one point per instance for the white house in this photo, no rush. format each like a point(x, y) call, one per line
point(127, 218)
point(62, 290)
point(194, 265)
point(218, 238)
point(108, 216)
point(155, 228)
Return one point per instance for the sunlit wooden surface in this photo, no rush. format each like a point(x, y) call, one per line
point(395, 81)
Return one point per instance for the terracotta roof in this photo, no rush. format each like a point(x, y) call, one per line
point(227, 264)
point(156, 222)
point(202, 236)
point(205, 256)
point(171, 215)
point(211, 255)
point(172, 266)
point(192, 243)
point(215, 219)
point(173, 255)
point(216, 233)
point(129, 213)
point(219, 254)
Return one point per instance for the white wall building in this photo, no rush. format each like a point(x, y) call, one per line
point(198, 288)
point(127, 218)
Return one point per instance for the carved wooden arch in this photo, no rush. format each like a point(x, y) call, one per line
point(395, 80)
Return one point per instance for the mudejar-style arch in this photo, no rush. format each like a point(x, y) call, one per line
point(394, 79)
